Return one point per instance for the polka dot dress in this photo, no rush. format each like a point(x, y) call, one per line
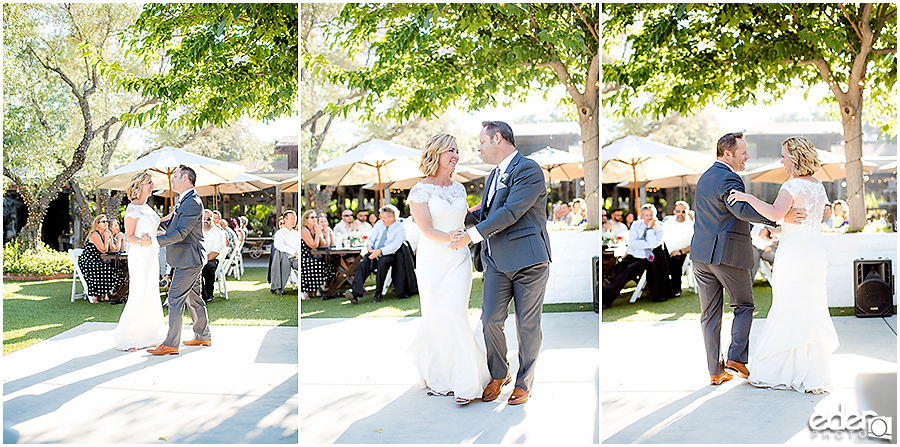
point(101, 277)
point(314, 271)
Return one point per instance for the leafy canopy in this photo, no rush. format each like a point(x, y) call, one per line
point(686, 55)
point(221, 61)
point(422, 58)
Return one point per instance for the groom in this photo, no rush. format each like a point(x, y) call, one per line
point(722, 256)
point(184, 252)
point(515, 251)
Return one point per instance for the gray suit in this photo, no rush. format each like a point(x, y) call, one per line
point(722, 255)
point(516, 258)
point(184, 252)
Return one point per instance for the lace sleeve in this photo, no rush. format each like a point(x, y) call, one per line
point(459, 190)
point(418, 194)
point(791, 187)
point(133, 211)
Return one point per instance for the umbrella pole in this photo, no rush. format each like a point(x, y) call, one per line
point(380, 189)
point(634, 205)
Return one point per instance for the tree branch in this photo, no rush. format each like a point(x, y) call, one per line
point(850, 19)
point(885, 50)
point(590, 27)
point(825, 73)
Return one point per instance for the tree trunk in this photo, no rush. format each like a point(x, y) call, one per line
point(83, 209)
point(851, 117)
point(590, 146)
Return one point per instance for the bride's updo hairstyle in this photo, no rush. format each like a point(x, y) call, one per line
point(434, 147)
point(138, 180)
point(803, 155)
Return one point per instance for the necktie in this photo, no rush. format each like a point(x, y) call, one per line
point(495, 180)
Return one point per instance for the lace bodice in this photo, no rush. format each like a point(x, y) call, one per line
point(810, 195)
point(447, 204)
point(148, 220)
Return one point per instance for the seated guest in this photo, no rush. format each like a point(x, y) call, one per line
point(214, 247)
point(386, 238)
point(373, 219)
point(285, 253)
point(827, 218)
point(243, 226)
point(629, 219)
point(645, 235)
point(347, 225)
point(102, 278)
point(840, 214)
point(364, 224)
point(117, 243)
point(235, 226)
point(579, 212)
point(565, 214)
point(763, 249)
point(327, 232)
point(677, 234)
point(618, 227)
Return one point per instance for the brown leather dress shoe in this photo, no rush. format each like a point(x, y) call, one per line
point(519, 396)
point(718, 379)
point(493, 389)
point(195, 342)
point(163, 350)
point(738, 369)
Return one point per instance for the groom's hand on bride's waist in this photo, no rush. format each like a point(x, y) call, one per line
point(795, 216)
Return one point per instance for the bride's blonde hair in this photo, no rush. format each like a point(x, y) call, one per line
point(431, 155)
point(138, 180)
point(803, 155)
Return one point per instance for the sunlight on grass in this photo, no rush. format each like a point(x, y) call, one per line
point(244, 322)
point(24, 331)
point(389, 311)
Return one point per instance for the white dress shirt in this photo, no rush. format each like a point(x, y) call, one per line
point(501, 169)
point(214, 241)
point(677, 235)
point(287, 241)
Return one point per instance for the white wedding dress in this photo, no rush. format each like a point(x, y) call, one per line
point(794, 348)
point(141, 324)
point(445, 349)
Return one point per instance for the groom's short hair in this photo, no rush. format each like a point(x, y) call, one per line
point(492, 127)
point(728, 142)
point(192, 176)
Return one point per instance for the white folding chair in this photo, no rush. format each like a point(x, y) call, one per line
point(640, 287)
point(765, 270)
point(220, 279)
point(76, 274)
point(232, 266)
point(688, 269)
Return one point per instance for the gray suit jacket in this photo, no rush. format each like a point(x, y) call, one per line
point(184, 234)
point(722, 231)
point(515, 222)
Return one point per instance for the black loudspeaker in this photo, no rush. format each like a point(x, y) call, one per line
point(873, 288)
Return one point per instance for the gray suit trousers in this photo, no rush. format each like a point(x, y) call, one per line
point(185, 291)
point(711, 281)
point(526, 288)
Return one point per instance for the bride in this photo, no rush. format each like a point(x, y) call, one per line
point(445, 351)
point(795, 346)
point(141, 323)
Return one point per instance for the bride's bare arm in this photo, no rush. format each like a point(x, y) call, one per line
point(130, 227)
point(422, 217)
point(774, 212)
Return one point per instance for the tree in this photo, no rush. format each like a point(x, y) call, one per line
point(423, 58)
point(683, 56)
point(219, 61)
point(54, 88)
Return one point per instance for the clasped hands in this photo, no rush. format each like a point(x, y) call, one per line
point(459, 239)
point(144, 240)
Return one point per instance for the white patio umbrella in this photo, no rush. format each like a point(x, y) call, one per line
point(832, 169)
point(289, 186)
point(559, 165)
point(163, 162)
point(244, 182)
point(638, 159)
point(375, 160)
point(462, 174)
point(892, 166)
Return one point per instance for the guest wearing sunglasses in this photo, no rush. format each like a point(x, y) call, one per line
point(102, 278)
point(677, 234)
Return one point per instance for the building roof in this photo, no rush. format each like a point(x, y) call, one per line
point(797, 128)
point(289, 140)
point(536, 129)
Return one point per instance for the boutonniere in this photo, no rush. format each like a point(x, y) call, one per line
point(504, 177)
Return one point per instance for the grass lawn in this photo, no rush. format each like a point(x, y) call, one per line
point(395, 307)
point(37, 310)
point(687, 306)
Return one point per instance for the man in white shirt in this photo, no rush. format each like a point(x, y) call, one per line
point(285, 253)
point(213, 246)
point(618, 227)
point(677, 234)
point(362, 220)
point(382, 245)
point(346, 225)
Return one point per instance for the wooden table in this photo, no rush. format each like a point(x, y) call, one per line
point(122, 259)
point(346, 259)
